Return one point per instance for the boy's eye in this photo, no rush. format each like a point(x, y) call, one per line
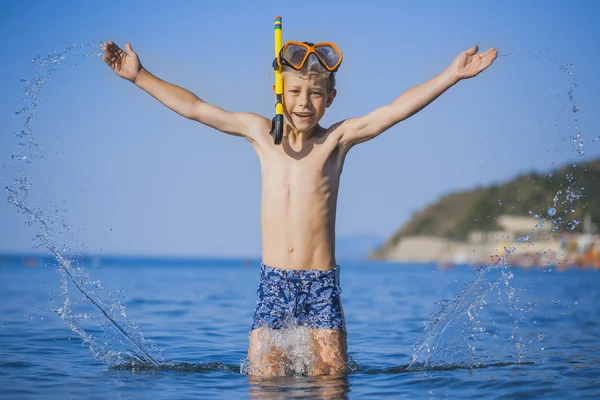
point(316, 93)
point(294, 91)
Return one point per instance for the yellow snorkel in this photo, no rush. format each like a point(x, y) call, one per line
point(277, 124)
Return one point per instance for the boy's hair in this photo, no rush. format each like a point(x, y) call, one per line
point(312, 67)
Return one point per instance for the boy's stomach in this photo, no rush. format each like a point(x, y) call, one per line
point(298, 240)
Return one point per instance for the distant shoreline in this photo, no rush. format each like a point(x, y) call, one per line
point(39, 260)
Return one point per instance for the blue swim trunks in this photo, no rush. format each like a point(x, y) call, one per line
point(309, 298)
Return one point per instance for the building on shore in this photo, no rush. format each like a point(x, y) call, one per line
point(523, 241)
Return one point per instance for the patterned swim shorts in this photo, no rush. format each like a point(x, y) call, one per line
point(309, 298)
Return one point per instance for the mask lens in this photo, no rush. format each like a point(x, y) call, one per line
point(294, 55)
point(328, 55)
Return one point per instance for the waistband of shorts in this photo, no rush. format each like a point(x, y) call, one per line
point(304, 274)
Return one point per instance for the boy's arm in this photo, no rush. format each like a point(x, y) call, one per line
point(126, 64)
point(466, 65)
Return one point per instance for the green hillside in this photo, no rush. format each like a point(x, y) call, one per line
point(456, 214)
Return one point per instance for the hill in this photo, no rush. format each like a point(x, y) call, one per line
point(572, 191)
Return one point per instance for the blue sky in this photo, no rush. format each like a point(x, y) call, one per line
point(128, 176)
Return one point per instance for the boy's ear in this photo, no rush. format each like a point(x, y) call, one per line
point(330, 96)
point(273, 88)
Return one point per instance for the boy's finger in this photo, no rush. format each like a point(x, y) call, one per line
point(491, 56)
point(493, 52)
point(489, 51)
point(472, 50)
point(110, 51)
point(486, 63)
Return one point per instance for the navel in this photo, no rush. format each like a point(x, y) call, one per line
point(290, 249)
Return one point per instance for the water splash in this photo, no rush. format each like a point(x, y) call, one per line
point(457, 336)
point(286, 352)
point(96, 316)
point(179, 367)
point(565, 200)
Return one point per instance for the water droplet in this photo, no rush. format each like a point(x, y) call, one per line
point(551, 211)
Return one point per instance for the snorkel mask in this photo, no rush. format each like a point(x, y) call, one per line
point(296, 55)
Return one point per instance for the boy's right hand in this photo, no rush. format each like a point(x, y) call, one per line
point(126, 63)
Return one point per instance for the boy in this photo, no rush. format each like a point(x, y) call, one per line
point(300, 179)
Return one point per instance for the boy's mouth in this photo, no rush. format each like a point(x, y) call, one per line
point(303, 115)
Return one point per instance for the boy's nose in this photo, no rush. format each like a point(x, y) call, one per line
point(304, 100)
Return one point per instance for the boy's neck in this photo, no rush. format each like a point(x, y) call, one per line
point(294, 135)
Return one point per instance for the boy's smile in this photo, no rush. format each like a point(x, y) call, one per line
point(305, 100)
point(302, 121)
point(303, 115)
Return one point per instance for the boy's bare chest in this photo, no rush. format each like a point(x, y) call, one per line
point(319, 170)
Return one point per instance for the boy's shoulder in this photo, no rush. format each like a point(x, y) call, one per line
point(336, 130)
point(257, 125)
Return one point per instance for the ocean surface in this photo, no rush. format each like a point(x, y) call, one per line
point(414, 331)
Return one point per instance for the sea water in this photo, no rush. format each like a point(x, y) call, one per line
point(200, 313)
point(495, 321)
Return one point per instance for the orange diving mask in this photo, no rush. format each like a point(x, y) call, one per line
point(295, 54)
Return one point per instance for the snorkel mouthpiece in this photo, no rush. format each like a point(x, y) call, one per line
point(277, 128)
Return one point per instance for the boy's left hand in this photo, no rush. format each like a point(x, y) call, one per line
point(468, 63)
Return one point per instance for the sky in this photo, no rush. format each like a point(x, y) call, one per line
point(118, 173)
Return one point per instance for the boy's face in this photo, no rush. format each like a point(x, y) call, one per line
point(305, 99)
